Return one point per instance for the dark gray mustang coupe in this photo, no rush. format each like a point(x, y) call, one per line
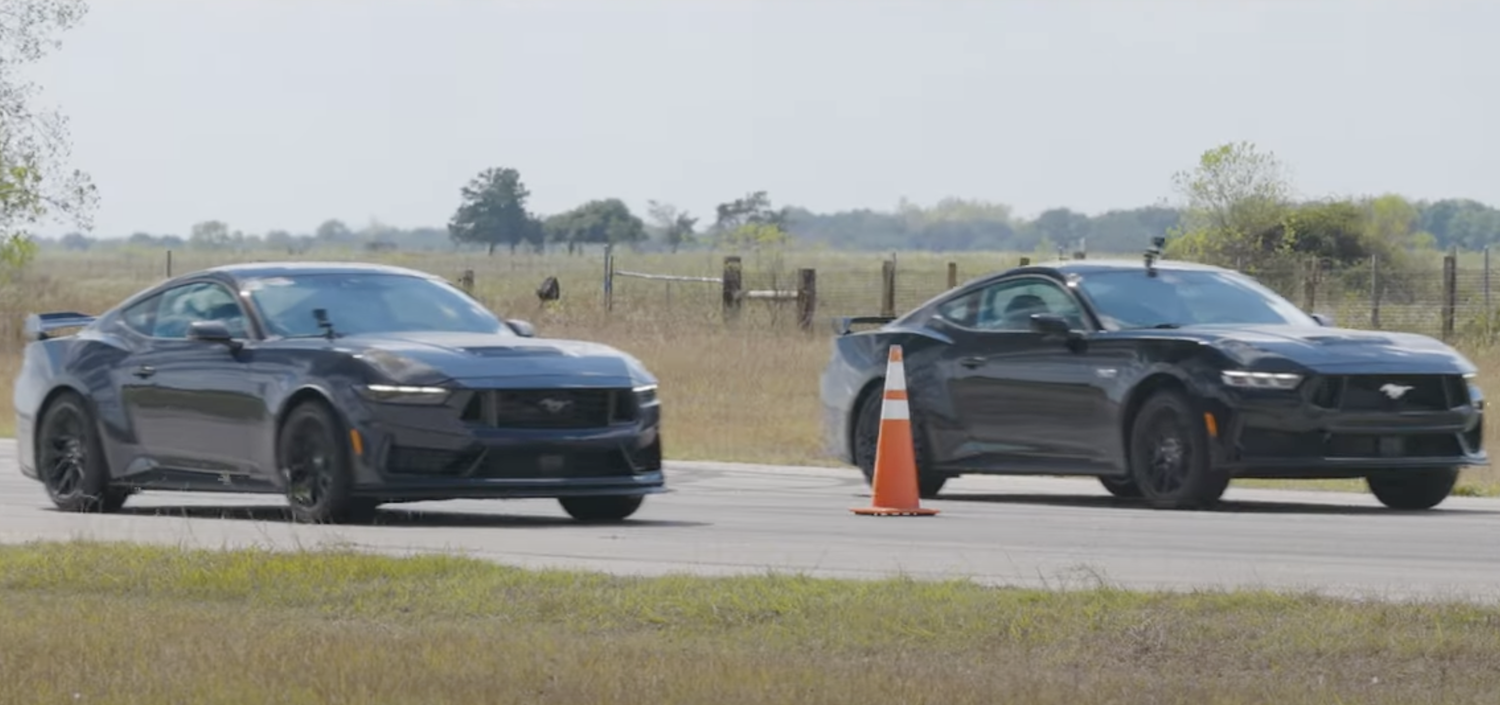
point(341, 386)
point(1163, 379)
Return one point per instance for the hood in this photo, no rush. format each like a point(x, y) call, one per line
point(1331, 350)
point(496, 360)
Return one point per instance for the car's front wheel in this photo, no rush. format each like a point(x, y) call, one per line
point(70, 459)
point(1412, 489)
point(867, 439)
point(1170, 461)
point(315, 465)
point(608, 508)
point(1122, 487)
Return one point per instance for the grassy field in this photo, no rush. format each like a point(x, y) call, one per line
point(746, 393)
point(95, 623)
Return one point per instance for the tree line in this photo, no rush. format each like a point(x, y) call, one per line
point(1347, 229)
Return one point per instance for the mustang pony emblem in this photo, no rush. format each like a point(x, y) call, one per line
point(555, 406)
point(1394, 391)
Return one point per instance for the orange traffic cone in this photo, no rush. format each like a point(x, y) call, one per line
point(895, 483)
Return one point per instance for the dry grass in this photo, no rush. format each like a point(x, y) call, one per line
point(96, 623)
point(742, 394)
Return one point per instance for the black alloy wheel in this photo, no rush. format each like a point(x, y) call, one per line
point(601, 509)
point(315, 465)
point(1412, 490)
point(1170, 460)
point(70, 459)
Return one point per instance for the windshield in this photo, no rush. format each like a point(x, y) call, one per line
point(1133, 299)
point(363, 302)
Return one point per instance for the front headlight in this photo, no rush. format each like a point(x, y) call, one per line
point(1260, 380)
point(645, 395)
point(399, 394)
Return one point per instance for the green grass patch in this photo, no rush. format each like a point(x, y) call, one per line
point(103, 623)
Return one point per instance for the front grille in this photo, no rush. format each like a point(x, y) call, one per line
point(1389, 393)
point(500, 464)
point(551, 408)
point(429, 462)
point(1269, 444)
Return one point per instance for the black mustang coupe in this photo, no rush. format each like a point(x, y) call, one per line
point(341, 386)
point(1163, 379)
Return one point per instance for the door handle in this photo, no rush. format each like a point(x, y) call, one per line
point(144, 371)
point(971, 362)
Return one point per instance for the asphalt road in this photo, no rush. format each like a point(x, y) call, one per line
point(729, 518)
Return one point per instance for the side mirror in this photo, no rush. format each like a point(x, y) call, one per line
point(522, 328)
point(1323, 319)
point(211, 332)
point(1050, 325)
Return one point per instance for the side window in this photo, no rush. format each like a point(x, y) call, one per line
point(202, 301)
point(1008, 306)
point(141, 317)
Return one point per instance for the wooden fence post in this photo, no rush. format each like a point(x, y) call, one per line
point(466, 280)
point(888, 288)
point(952, 274)
point(1450, 292)
point(1310, 285)
point(169, 264)
point(807, 297)
point(609, 277)
point(1374, 292)
point(733, 286)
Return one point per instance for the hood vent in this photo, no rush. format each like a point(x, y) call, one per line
point(514, 351)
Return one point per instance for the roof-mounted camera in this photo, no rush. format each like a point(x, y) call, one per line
point(1153, 253)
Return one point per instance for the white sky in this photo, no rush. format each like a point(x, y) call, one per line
point(282, 113)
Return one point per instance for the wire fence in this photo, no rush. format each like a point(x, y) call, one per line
point(1448, 296)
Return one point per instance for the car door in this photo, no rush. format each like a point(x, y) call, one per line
point(193, 403)
point(1024, 398)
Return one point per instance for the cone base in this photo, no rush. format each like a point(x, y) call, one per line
point(894, 511)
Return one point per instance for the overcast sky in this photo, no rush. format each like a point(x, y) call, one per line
point(282, 113)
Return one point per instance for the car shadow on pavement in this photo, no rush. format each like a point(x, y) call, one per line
point(1224, 507)
point(391, 515)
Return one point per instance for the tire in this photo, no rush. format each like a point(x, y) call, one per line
point(1170, 462)
point(867, 437)
point(70, 459)
point(1412, 489)
point(608, 508)
point(1122, 487)
point(314, 462)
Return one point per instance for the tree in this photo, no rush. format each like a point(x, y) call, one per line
point(209, 235)
point(1236, 196)
point(677, 228)
point(34, 144)
point(493, 212)
point(750, 221)
point(601, 221)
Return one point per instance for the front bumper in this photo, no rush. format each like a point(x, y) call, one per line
point(1271, 435)
point(413, 453)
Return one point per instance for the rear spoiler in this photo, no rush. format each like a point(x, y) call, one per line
point(842, 325)
point(38, 325)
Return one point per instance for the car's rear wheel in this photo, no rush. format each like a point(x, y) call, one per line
point(867, 439)
point(1170, 461)
point(315, 464)
point(70, 459)
point(1412, 489)
point(608, 508)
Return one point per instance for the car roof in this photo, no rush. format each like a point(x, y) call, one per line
point(1085, 266)
point(251, 270)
